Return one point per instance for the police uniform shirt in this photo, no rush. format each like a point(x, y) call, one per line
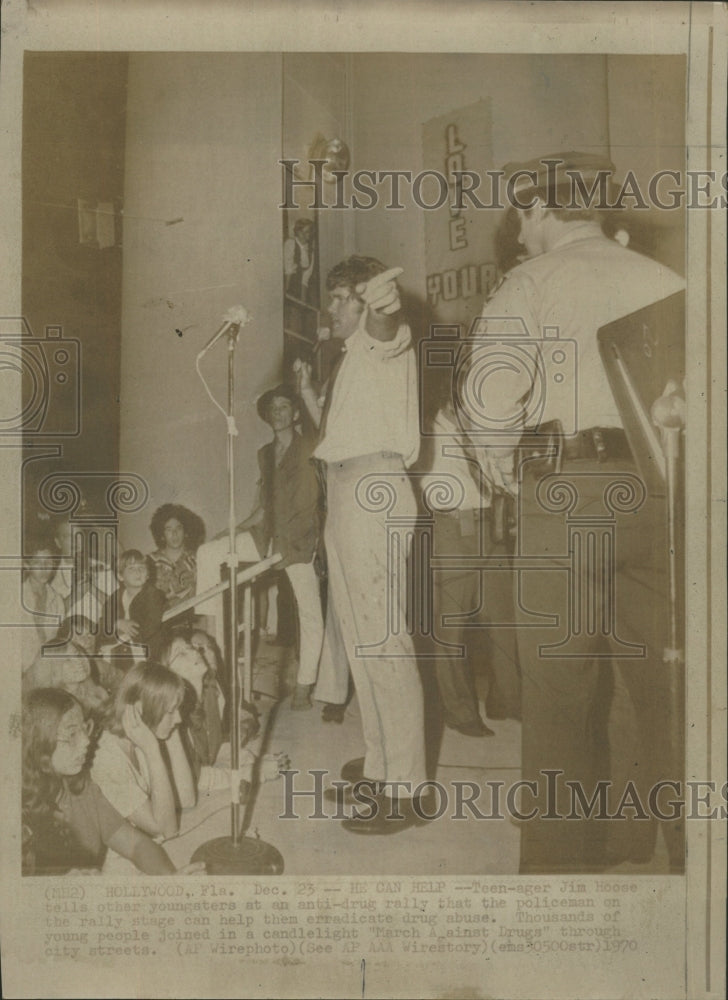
point(583, 282)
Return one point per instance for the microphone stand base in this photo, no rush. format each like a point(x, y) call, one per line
point(250, 856)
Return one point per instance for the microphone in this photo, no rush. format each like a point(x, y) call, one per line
point(237, 316)
point(324, 333)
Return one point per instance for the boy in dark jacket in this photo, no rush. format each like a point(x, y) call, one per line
point(134, 612)
point(286, 520)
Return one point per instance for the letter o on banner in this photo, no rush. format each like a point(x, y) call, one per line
point(417, 189)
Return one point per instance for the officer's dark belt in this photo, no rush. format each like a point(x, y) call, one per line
point(468, 514)
point(596, 444)
point(599, 444)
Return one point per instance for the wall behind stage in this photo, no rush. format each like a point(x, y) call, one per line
point(647, 95)
point(202, 228)
point(631, 107)
point(315, 93)
point(535, 110)
point(73, 148)
point(202, 232)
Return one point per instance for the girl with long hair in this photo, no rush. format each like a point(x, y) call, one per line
point(67, 821)
point(129, 765)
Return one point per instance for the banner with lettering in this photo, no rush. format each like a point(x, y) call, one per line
point(459, 236)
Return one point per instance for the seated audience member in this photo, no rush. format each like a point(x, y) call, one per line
point(78, 632)
point(178, 533)
point(45, 606)
point(203, 704)
point(219, 693)
point(201, 716)
point(70, 672)
point(66, 663)
point(129, 766)
point(84, 585)
point(134, 613)
point(62, 539)
point(68, 823)
point(79, 635)
point(217, 668)
point(286, 518)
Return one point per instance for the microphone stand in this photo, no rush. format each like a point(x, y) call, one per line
point(237, 855)
point(668, 414)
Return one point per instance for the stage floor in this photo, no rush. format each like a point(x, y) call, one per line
point(321, 846)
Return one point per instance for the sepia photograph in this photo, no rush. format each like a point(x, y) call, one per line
point(361, 406)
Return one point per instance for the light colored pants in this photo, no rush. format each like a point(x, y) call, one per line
point(333, 677)
point(364, 587)
point(310, 619)
point(209, 558)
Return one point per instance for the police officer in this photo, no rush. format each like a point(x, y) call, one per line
point(590, 603)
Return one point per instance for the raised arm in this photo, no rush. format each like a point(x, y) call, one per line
point(307, 391)
point(157, 816)
point(382, 303)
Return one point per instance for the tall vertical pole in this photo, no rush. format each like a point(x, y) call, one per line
point(240, 855)
point(233, 577)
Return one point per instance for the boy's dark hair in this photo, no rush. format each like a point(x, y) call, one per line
point(352, 272)
point(128, 557)
point(281, 391)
